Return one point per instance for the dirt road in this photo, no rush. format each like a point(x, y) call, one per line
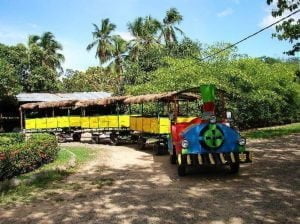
point(124, 185)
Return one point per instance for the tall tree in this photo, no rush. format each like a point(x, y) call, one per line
point(288, 29)
point(51, 57)
point(168, 27)
point(102, 40)
point(144, 31)
point(119, 53)
point(119, 50)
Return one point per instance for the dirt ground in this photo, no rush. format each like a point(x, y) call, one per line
point(124, 185)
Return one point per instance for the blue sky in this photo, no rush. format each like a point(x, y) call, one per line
point(208, 21)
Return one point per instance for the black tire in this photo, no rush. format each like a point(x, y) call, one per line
point(181, 169)
point(141, 142)
point(95, 139)
point(76, 137)
point(158, 149)
point(234, 168)
point(114, 140)
point(173, 157)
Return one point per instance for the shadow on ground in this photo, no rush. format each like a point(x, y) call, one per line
point(266, 191)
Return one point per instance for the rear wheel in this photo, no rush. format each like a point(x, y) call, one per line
point(76, 137)
point(114, 139)
point(141, 142)
point(159, 148)
point(234, 168)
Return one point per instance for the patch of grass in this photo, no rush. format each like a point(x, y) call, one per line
point(46, 177)
point(272, 132)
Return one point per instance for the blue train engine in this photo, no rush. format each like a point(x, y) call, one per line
point(208, 139)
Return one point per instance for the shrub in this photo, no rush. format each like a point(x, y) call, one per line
point(11, 138)
point(22, 157)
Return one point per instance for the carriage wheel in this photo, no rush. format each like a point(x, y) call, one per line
point(114, 139)
point(141, 142)
point(234, 168)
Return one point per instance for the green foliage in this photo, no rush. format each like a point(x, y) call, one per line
point(93, 79)
point(273, 132)
point(288, 29)
point(23, 157)
point(102, 40)
point(260, 94)
point(9, 83)
point(7, 139)
point(32, 68)
point(47, 176)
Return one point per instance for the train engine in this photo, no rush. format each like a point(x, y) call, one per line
point(207, 141)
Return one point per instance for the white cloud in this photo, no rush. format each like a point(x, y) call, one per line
point(125, 35)
point(225, 12)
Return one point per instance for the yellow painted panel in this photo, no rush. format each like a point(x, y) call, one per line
point(113, 121)
point(52, 122)
point(133, 123)
point(94, 123)
point(41, 123)
point(185, 119)
point(85, 122)
point(74, 121)
point(164, 129)
point(154, 125)
point(103, 121)
point(147, 124)
point(30, 124)
point(163, 121)
point(63, 122)
point(139, 124)
point(124, 120)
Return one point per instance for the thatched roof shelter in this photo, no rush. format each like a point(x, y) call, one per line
point(168, 96)
point(29, 106)
point(100, 102)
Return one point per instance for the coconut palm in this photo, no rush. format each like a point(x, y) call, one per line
point(119, 52)
point(102, 40)
point(144, 31)
point(168, 27)
point(49, 49)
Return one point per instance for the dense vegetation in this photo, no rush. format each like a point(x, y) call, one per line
point(160, 57)
point(18, 156)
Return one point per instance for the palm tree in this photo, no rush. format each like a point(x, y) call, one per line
point(144, 31)
point(119, 52)
point(102, 40)
point(49, 49)
point(168, 27)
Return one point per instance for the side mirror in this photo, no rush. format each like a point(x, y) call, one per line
point(228, 115)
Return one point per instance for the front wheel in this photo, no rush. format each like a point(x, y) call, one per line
point(173, 159)
point(234, 168)
point(181, 169)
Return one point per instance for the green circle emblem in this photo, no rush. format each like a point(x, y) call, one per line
point(213, 137)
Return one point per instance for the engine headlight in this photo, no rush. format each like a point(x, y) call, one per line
point(213, 119)
point(184, 143)
point(242, 141)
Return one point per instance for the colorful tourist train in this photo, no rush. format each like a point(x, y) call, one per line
point(192, 125)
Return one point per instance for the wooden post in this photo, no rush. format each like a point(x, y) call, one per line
point(21, 119)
